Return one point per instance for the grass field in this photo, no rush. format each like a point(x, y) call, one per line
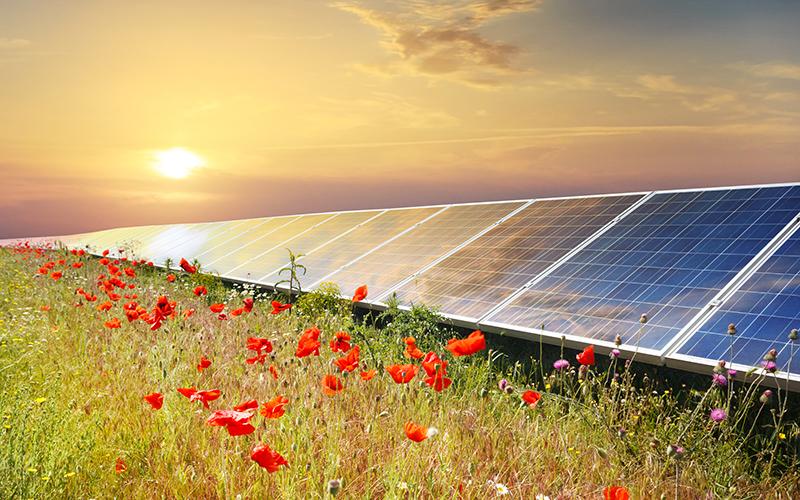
point(75, 424)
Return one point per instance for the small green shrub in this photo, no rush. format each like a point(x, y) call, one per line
point(324, 302)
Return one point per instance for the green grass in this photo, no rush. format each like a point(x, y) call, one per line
point(71, 404)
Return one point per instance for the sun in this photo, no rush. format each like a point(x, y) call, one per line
point(176, 163)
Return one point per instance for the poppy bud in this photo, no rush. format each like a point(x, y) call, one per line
point(793, 334)
point(618, 341)
point(731, 329)
point(483, 392)
point(766, 397)
point(643, 319)
point(334, 485)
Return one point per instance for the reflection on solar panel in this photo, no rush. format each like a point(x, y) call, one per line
point(667, 259)
point(409, 252)
point(276, 256)
point(238, 232)
point(198, 239)
point(273, 233)
point(765, 309)
point(480, 275)
point(329, 258)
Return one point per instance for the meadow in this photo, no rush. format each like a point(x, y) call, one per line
point(93, 353)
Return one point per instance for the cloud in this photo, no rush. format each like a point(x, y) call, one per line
point(696, 98)
point(772, 70)
point(14, 43)
point(443, 40)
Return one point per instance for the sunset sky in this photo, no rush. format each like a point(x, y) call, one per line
point(301, 106)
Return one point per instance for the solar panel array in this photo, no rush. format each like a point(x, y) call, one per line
point(581, 268)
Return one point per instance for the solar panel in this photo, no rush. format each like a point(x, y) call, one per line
point(477, 277)
point(327, 259)
point(275, 256)
point(198, 240)
point(248, 248)
point(238, 231)
point(764, 309)
point(667, 259)
point(386, 266)
point(224, 253)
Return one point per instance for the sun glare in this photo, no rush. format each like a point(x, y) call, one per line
point(176, 163)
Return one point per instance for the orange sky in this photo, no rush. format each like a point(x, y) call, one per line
point(300, 106)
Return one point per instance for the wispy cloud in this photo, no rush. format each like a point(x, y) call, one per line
point(694, 97)
point(772, 70)
point(443, 39)
point(14, 43)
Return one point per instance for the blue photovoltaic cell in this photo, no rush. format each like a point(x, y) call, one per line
point(764, 310)
point(485, 272)
point(667, 259)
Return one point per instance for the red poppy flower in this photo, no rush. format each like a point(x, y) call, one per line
point(171, 278)
point(615, 493)
point(274, 408)
point(531, 398)
point(273, 371)
point(429, 363)
point(187, 267)
point(438, 380)
point(236, 422)
point(247, 304)
point(217, 308)
point(129, 272)
point(349, 362)
point(203, 364)
point(586, 357)
point(247, 405)
point(267, 458)
point(120, 466)
point(259, 344)
point(164, 309)
point(237, 312)
point(331, 385)
point(77, 265)
point(105, 252)
point(309, 343)
point(340, 342)
point(202, 396)
point(415, 432)
point(113, 323)
point(44, 308)
point(278, 308)
point(57, 275)
point(155, 399)
point(402, 374)
point(188, 313)
point(470, 345)
point(200, 290)
point(361, 293)
point(368, 374)
point(412, 351)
